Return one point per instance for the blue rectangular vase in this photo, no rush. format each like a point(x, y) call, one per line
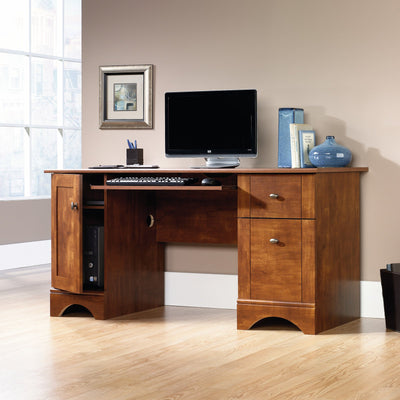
point(287, 116)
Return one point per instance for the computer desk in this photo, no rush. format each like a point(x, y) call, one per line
point(297, 233)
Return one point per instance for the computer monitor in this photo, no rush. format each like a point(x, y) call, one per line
point(219, 125)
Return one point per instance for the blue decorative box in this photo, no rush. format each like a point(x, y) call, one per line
point(287, 116)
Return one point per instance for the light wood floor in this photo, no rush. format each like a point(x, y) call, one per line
point(182, 353)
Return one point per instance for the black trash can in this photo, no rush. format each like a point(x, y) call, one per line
point(391, 298)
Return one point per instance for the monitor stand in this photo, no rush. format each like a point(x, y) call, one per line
point(220, 162)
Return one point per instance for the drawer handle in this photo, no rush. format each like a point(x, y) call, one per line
point(74, 206)
point(150, 221)
point(274, 241)
point(274, 196)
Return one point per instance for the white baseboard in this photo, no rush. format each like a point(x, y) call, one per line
point(201, 290)
point(26, 254)
point(371, 300)
point(181, 288)
point(220, 291)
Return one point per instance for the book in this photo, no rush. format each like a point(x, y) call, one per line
point(294, 142)
point(287, 116)
point(306, 143)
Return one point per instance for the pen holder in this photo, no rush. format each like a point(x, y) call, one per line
point(134, 156)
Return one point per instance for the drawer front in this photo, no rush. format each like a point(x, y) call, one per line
point(275, 196)
point(276, 267)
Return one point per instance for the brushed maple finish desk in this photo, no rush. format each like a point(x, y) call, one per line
point(297, 233)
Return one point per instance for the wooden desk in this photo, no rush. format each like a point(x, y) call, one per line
point(297, 232)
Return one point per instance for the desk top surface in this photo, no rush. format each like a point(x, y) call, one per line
point(194, 171)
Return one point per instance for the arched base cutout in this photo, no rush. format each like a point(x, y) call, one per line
point(76, 310)
point(275, 324)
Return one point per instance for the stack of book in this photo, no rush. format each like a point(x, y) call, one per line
point(296, 139)
point(302, 140)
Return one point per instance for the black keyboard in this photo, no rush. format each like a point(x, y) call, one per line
point(150, 181)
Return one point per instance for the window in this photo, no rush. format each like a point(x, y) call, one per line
point(40, 93)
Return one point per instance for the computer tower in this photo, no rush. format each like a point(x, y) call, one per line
point(93, 257)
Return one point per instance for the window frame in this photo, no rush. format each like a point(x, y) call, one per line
point(61, 126)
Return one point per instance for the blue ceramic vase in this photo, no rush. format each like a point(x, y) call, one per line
point(330, 154)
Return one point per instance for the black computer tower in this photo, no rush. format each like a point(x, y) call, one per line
point(93, 257)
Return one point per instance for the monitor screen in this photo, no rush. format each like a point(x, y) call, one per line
point(211, 123)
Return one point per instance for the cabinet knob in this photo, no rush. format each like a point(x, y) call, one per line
point(274, 241)
point(74, 206)
point(274, 196)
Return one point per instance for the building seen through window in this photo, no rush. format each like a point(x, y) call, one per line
point(40, 93)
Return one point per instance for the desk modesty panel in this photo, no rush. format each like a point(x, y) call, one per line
point(297, 233)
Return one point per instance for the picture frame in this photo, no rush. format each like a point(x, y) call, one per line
point(126, 97)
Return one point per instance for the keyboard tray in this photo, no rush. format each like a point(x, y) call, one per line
point(150, 181)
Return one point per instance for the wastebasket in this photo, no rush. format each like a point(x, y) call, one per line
point(391, 298)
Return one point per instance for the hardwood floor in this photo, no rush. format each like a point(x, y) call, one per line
point(182, 353)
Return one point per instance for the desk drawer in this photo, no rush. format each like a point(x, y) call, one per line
point(276, 272)
point(275, 196)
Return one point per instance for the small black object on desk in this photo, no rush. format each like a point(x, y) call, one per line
point(134, 156)
point(210, 182)
point(108, 166)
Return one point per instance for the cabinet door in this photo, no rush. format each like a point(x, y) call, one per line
point(66, 232)
point(276, 260)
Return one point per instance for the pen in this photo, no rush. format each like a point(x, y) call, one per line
point(135, 144)
point(130, 145)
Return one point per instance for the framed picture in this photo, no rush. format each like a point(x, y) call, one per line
point(126, 97)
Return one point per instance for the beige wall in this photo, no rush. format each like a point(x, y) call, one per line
point(337, 59)
point(24, 221)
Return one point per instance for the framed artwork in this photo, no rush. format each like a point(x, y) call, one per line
point(126, 97)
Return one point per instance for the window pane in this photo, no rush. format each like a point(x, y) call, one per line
point(72, 94)
point(14, 70)
point(39, 92)
point(12, 162)
point(14, 32)
point(43, 156)
point(72, 149)
point(45, 97)
point(72, 29)
point(45, 28)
